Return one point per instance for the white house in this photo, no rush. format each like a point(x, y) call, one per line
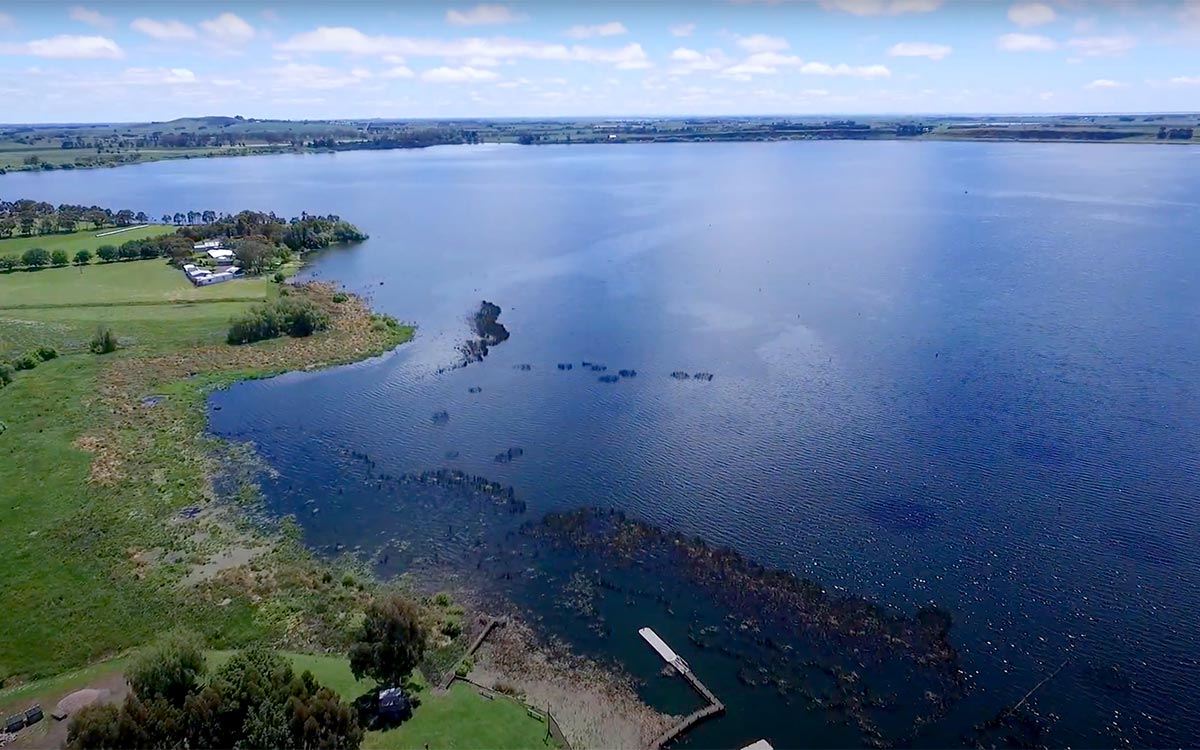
point(221, 255)
point(207, 245)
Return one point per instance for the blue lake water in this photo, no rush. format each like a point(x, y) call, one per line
point(954, 373)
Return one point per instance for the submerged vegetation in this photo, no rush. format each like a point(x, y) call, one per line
point(488, 330)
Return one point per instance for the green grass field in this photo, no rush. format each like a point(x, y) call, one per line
point(72, 242)
point(132, 282)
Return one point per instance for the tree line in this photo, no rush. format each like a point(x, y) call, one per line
point(260, 240)
point(30, 217)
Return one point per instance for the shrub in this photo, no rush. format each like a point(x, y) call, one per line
point(451, 628)
point(465, 667)
point(104, 342)
point(340, 297)
point(45, 353)
point(35, 257)
point(25, 362)
point(278, 277)
point(6, 374)
point(82, 258)
point(108, 253)
point(60, 258)
point(9, 262)
point(293, 317)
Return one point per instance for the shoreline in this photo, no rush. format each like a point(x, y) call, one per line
point(927, 138)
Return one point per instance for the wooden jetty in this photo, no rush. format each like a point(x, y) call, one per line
point(712, 707)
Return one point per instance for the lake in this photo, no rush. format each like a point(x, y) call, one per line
point(952, 373)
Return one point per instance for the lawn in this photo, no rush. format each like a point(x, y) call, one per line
point(122, 283)
point(460, 718)
point(84, 240)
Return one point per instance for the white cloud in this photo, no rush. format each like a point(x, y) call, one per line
point(687, 61)
point(228, 28)
point(881, 7)
point(90, 17)
point(1046, 96)
point(859, 71)
point(67, 46)
point(1186, 81)
point(920, 49)
point(683, 29)
point(6, 21)
point(302, 76)
point(1031, 14)
point(1026, 43)
point(399, 71)
point(465, 74)
point(769, 63)
point(1102, 46)
point(1105, 83)
point(755, 43)
point(482, 15)
point(351, 41)
point(612, 28)
point(157, 76)
point(163, 30)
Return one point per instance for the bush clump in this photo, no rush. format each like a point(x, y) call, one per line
point(25, 362)
point(285, 316)
point(340, 297)
point(6, 374)
point(104, 342)
point(45, 353)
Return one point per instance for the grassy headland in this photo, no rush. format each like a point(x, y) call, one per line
point(95, 554)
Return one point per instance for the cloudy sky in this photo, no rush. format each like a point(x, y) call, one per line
point(128, 61)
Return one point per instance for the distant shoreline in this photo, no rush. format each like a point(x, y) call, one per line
point(33, 148)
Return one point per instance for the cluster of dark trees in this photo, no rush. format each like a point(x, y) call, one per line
point(1175, 134)
point(300, 233)
point(259, 240)
point(29, 217)
point(256, 700)
point(288, 315)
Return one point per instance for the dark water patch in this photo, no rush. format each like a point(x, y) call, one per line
point(904, 514)
point(152, 400)
point(627, 373)
point(681, 375)
point(523, 367)
point(474, 389)
point(705, 376)
point(594, 574)
point(608, 378)
point(507, 456)
point(565, 365)
point(440, 417)
point(598, 368)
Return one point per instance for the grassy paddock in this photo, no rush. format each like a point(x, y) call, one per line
point(119, 283)
point(72, 242)
point(85, 466)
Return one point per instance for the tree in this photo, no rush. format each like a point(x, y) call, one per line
point(9, 262)
point(171, 671)
point(166, 218)
point(35, 257)
point(253, 255)
point(28, 222)
point(108, 253)
point(60, 258)
point(82, 258)
point(391, 642)
point(142, 218)
point(47, 225)
point(124, 217)
point(97, 217)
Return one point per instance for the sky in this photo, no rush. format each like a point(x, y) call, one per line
point(136, 61)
